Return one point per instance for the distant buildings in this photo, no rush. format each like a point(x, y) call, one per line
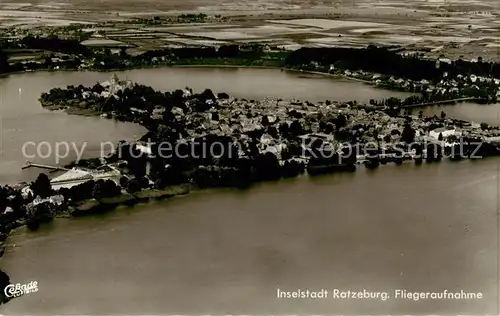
point(114, 85)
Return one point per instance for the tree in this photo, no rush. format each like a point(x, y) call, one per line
point(41, 186)
point(484, 126)
point(267, 167)
point(284, 128)
point(143, 182)
point(123, 53)
point(296, 128)
point(393, 102)
point(329, 128)
point(158, 184)
point(97, 88)
point(228, 51)
point(265, 120)
point(133, 186)
point(37, 214)
point(273, 131)
point(105, 188)
point(136, 159)
point(207, 95)
point(376, 136)
point(178, 98)
point(341, 121)
point(48, 61)
point(80, 192)
point(408, 134)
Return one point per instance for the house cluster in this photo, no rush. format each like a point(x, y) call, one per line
point(455, 85)
point(388, 130)
point(111, 88)
point(447, 86)
point(239, 117)
point(74, 177)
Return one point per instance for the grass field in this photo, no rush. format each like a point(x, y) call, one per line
point(452, 28)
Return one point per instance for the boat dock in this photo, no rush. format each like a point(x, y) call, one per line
point(30, 164)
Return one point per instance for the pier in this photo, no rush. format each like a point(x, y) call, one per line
point(30, 164)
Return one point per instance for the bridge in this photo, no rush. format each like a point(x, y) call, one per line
point(420, 105)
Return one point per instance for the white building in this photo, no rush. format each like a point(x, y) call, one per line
point(55, 199)
point(445, 132)
point(77, 176)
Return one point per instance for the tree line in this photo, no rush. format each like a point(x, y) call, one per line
point(385, 61)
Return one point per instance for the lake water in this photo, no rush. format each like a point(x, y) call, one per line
point(419, 228)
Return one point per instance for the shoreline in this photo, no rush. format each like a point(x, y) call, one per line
point(83, 112)
point(338, 76)
point(93, 206)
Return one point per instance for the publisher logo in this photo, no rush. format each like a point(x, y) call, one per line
point(16, 290)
